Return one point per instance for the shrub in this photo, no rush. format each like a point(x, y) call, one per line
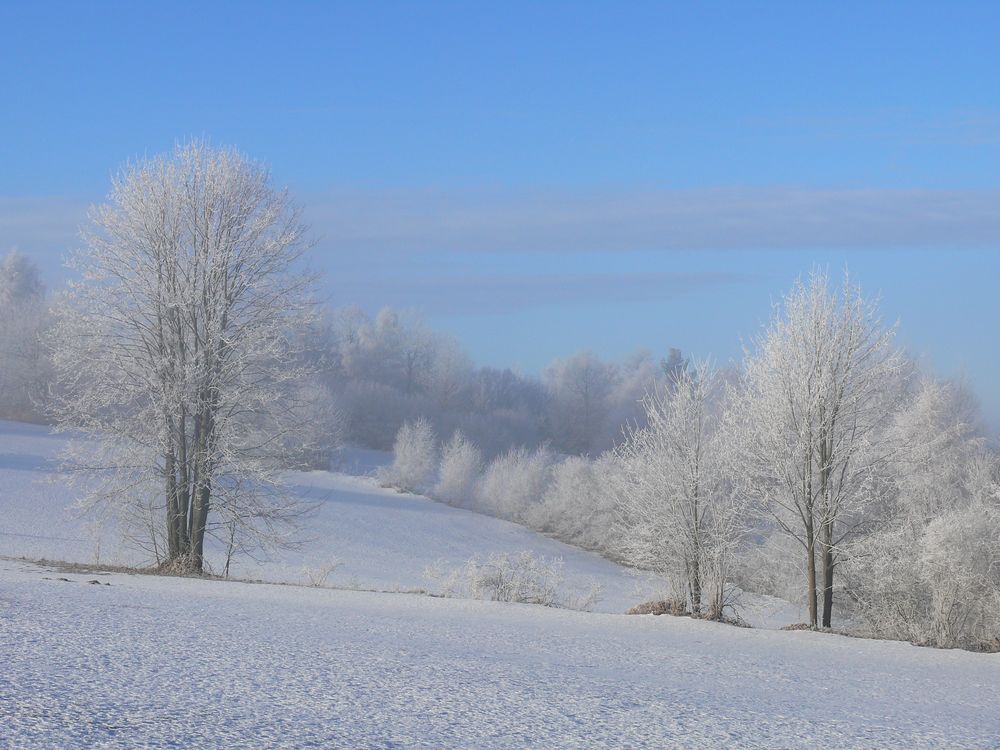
point(414, 458)
point(514, 482)
point(461, 462)
point(525, 578)
point(317, 575)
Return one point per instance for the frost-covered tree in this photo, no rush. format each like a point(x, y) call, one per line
point(678, 514)
point(928, 570)
point(25, 370)
point(414, 461)
point(448, 375)
point(636, 376)
point(819, 388)
point(173, 345)
point(461, 464)
point(673, 364)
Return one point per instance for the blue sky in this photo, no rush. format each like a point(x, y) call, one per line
point(539, 178)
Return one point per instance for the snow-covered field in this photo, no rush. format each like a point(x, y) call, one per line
point(152, 661)
point(163, 662)
point(381, 539)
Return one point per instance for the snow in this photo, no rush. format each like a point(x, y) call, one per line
point(360, 461)
point(382, 539)
point(163, 662)
point(150, 661)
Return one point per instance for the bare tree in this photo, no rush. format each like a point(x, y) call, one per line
point(173, 345)
point(818, 392)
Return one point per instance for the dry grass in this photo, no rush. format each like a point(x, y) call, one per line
point(660, 607)
point(678, 609)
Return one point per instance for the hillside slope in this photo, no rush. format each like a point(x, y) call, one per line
point(382, 539)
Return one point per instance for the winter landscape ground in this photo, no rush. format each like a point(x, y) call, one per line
point(98, 664)
point(90, 665)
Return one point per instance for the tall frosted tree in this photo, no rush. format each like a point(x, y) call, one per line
point(173, 345)
point(818, 392)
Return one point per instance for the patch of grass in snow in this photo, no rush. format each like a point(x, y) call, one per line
point(678, 608)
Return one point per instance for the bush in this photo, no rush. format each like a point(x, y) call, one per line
point(317, 575)
point(578, 504)
point(514, 482)
point(461, 462)
point(524, 578)
point(415, 458)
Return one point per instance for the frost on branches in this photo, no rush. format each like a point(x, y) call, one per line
point(414, 458)
point(174, 347)
point(461, 463)
point(678, 514)
point(818, 393)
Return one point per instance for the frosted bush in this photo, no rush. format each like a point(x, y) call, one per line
point(461, 462)
point(318, 574)
point(960, 563)
point(514, 482)
point(524, 577)
point(414, 458)
point(578, 505)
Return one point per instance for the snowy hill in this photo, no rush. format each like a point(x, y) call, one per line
point(382, 539)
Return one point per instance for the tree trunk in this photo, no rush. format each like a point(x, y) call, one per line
point(173, 517)
point(695, 587)
point(183, 484)
point(828, 564)
point(199, 519)
point(201, 491)
point(811, 574)
point(826, 528)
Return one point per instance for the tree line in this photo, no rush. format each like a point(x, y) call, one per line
point(825, 469)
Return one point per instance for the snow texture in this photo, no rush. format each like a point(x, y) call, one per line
point(151, 662)
point(148, 662)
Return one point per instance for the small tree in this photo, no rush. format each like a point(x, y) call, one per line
point(677, 513)
point(414, 458)
point(461, 464)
